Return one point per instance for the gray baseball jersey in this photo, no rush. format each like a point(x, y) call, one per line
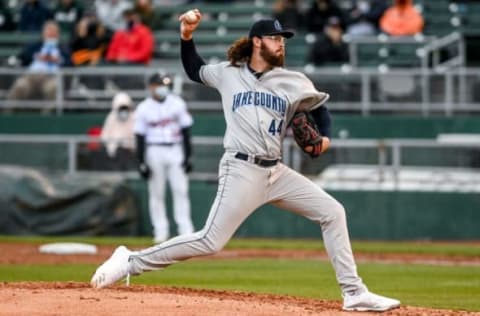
point(258, 110)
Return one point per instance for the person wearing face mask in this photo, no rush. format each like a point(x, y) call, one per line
point(162, 129)
point(43, 59)
point(132, 45)
point(117, 133)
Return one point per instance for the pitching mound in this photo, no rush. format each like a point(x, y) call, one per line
point(42, 299)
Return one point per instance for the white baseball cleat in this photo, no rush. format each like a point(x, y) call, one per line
point(112, 270)
point(368, 301)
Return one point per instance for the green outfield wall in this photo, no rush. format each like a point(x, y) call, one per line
point(212, 124)
point(370, 215)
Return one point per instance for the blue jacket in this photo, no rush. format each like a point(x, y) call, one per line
point(26, 55)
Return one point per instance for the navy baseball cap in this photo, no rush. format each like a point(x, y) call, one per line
point(160, 78)
point(268, 27)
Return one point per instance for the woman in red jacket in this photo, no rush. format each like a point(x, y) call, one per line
point(134, 44)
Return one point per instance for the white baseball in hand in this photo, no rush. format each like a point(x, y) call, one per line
point(191, 17)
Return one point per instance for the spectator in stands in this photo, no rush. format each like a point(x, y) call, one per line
point(67, 13)
point(110, 13)
point(117, 133)
point(43, 59)
point(316, 17)
point(132, 45)
point(402, 19)
point(33, 15)
point(145, 10)
point(364, 17)
point(329, 49)
point(6, 18)
point(288, 13)
point(89, 42)
point(152, 18)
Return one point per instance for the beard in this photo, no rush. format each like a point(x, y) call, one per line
point(271, 58)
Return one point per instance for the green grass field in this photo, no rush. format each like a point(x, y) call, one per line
point(449, 287)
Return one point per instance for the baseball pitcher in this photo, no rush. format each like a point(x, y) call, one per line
point(260, 99)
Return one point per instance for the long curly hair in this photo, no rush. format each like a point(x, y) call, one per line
point(240, 51)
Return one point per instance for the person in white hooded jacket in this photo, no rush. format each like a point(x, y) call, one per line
point(117, 132)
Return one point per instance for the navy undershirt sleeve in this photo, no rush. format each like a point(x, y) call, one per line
point(323, 120)
point(191, 61)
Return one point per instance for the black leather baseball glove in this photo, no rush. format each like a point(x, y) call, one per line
point(306, 134)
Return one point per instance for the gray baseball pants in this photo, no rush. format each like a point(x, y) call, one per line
point(244, 187)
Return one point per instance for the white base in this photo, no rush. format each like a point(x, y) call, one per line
point(68, 248)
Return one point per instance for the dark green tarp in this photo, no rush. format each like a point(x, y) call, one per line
point(32, 203)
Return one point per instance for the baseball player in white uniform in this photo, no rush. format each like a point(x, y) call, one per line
point(259, 98)
point(162, 129)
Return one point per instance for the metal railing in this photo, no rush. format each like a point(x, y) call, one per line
point(422, 91)
point(433, 48)
point(72, 144)
point(428, 46)
point(354, 43)
point(390, 152)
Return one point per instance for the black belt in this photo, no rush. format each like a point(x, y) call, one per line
point(161, 144)
point(258, 161)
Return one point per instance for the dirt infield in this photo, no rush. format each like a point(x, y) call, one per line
point(75, 298)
